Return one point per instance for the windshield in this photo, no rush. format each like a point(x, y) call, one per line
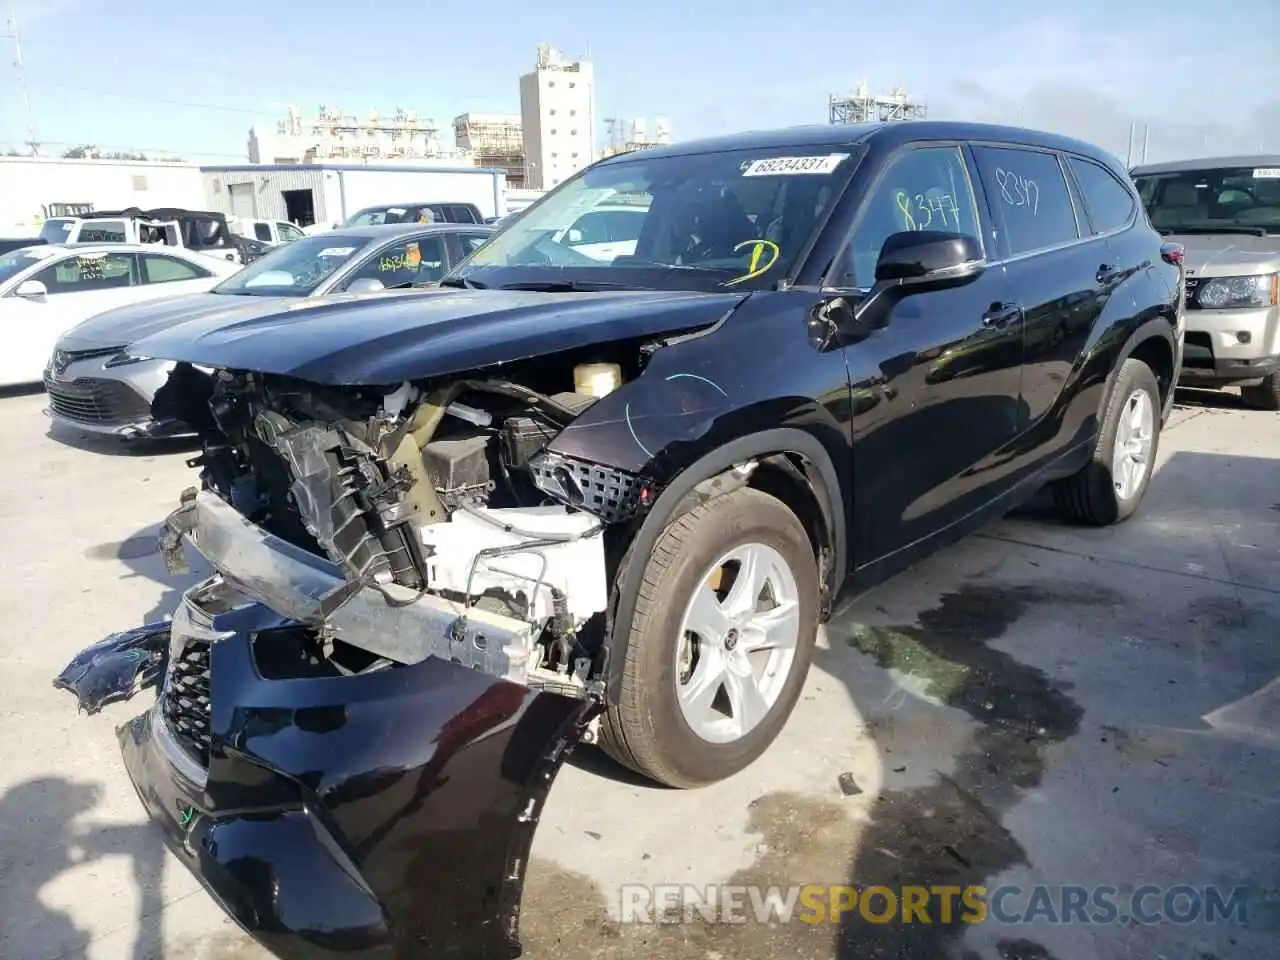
point(701, 221)
point(1247, 198)
point(295, 269)
point(56, 231)
point(373, 216)
point(14, 262)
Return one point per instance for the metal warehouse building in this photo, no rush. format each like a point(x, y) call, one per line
point(328, 193)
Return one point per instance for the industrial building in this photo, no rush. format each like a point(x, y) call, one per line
point(332, 135)
point(327, 193)
point(558, 116)
point(492, 140)
point(863, 106)
point(32, 189)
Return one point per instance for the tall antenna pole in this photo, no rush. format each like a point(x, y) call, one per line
point(22, 79)
point(1128, 159)
point(1146, 141)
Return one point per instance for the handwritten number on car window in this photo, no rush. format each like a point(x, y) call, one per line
point(1017, 190)
point(919, 212)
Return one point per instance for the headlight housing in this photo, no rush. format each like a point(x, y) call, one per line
point(1225, 293)
point(124, 358)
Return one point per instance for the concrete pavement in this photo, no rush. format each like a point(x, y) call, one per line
point(1037, 705)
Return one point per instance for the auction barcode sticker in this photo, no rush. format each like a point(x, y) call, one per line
point(1266, 173)
point(776, 166)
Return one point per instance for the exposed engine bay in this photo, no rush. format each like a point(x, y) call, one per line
point(457, 533)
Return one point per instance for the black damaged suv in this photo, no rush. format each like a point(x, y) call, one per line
point(606, 484)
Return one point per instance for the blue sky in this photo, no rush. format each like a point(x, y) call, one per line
point(98, 74)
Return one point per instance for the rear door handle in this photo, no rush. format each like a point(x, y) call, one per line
point(1001, 314)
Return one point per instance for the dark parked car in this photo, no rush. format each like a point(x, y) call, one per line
point(457, 532)
point(420, 212)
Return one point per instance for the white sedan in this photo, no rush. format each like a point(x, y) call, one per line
point(46, 290)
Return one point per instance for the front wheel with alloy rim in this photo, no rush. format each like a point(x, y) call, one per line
point(720, 642)
point(1111, 486)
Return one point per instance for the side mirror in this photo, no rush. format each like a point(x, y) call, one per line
point(32, 290)
point(574, 236)
point(928, 257)
point(917, 260)
point(365, 285)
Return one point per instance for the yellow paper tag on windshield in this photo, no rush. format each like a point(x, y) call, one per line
point(412, 255)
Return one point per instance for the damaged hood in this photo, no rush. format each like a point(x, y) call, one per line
point(387, 340)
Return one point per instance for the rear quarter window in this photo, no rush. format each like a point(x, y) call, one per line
point(1109, 202)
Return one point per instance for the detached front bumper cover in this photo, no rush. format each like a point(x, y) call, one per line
point(386, 814)
point(116, 668)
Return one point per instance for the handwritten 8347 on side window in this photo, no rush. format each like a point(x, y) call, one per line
point(928, 211)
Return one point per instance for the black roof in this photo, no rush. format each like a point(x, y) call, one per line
point(157, 213)
point(846, 135)
point(377, 231)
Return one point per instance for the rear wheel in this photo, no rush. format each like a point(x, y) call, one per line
point(1111, 486)
point(720, 643)
point(1264, 395)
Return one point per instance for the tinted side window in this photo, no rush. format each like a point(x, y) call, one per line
point(1029, 198)
point(104, 231)
point(1109, 202)
point(472, 241)
point(923, 189)
point(407, 261)
point(90, 272)
point(169, 269)
point(262, 231)
point(461, 214)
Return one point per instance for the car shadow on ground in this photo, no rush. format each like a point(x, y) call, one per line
point(58, 839)
point(60, 835)
point(1192, 397)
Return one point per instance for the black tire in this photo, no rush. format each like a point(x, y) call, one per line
point(1265, 395)
point(645, 729)
point(1090, 496)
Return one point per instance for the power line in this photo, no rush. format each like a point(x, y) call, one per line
point(120, 148)
point(146, 99)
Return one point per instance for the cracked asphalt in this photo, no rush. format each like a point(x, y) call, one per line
point(1038, 706)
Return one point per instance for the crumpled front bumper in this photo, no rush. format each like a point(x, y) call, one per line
point(384, 814)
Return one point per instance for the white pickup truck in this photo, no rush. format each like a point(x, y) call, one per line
point(207, 234)
point(271, 232)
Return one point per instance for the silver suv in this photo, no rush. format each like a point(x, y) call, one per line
point(1226, 213)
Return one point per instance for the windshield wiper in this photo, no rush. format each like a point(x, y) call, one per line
point(463, 283)
point(569, 286)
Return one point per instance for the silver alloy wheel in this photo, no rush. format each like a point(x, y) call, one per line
point(1131, 456)
point(737, 643)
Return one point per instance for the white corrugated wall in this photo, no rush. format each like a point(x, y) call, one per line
point(268, 186)
point(30, 185)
